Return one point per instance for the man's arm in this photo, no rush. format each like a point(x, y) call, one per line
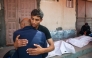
point(40, 50)
point(89, 28)
point(49, 40)
point(51, 46)
point(20, 42)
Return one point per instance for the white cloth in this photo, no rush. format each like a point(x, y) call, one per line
point(80, 41)
point(66, 48)
point(61, 47)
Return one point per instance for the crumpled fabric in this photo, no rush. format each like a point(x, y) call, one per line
point(62, 34)
point(80, 41)
point(61, 47)
point(57, 35)
point(69, 33)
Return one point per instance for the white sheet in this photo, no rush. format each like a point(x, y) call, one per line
point(61, 47)
point(80, 41)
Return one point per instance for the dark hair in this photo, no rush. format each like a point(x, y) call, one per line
point(86, 23)
point(37, 12)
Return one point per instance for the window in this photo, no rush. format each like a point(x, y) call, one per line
point(51, 0)
point(69, 3)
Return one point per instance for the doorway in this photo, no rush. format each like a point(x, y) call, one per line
point(84, 14)
point(16, 10)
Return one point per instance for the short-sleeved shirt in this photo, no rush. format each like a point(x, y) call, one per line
point(45, 31)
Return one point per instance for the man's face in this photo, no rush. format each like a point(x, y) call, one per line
point(35, 21)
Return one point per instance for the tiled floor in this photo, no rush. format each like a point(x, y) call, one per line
point(89, 55)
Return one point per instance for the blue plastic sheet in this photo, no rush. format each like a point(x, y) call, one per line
point(69, 33)
point(57, 35)
point(62, 34)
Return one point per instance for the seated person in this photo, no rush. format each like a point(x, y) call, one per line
point(33, 36)
point(85, 29)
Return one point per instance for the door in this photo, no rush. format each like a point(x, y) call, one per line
point(84, 14)
point(25, 7)
point(10, 19)
point(89, 13)
point(16, 10)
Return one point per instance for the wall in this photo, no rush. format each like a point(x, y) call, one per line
point(2, 25)
point(56, 14)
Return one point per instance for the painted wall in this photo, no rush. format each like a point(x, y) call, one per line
point(56, 14)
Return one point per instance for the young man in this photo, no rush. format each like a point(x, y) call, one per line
point(32, 36)
point(36, 18)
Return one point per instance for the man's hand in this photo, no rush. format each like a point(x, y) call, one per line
point(40, 50)
point(20, 42)
point(35, 51)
